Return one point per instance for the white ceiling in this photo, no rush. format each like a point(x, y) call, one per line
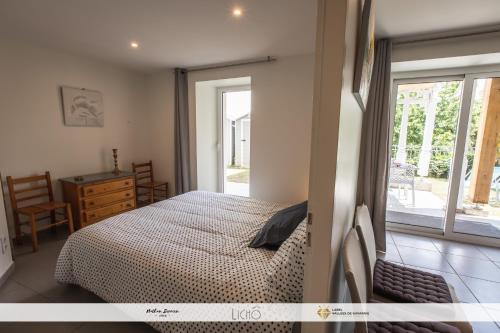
point(197, 32)
point(170, 32)
point(395, 18)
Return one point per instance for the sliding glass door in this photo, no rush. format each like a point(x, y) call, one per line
point(445, 158)
point(476, 187)
point(423, 144)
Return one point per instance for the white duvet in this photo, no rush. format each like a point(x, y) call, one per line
point(188, 249)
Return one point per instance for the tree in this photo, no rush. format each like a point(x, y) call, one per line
point(443, 139)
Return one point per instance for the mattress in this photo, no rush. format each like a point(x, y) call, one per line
point(192, 248)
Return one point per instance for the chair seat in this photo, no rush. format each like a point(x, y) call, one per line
point(409, 327)
point(41, 207)
point(406, 285)
point(151, 184)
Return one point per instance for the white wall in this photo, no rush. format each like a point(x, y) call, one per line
point(336, 135)
point(5, 251)
point(33, 137)
point(281, 125)
point(280, 148)
point(160, 104)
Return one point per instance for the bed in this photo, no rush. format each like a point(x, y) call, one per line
point(192, 248)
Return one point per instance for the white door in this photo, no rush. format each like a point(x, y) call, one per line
point(245, 143)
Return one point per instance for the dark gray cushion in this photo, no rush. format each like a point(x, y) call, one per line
point(280, 226)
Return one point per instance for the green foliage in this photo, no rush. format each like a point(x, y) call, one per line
point(477, 107)
point(443, 138)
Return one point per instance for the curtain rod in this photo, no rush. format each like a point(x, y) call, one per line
point(233, 64)
point(483, 31)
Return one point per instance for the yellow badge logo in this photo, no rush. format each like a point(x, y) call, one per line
point(323, 313)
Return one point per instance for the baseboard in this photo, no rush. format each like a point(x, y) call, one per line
point(7, 273)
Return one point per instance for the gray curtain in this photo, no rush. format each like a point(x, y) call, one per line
point(374, 159)
point(182, 181)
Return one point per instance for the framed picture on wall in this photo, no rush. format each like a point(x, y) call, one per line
point(365, 54)
point(82, 107)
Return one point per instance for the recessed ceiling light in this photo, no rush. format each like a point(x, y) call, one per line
point(134, 45)
point(237, 12)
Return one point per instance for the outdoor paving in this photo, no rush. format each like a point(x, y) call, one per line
point(429, 211)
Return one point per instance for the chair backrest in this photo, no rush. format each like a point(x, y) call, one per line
point(143, 172)
point(26, 191)
point(355, 272)
point(365, 231)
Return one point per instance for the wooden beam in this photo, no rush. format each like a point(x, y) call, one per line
point(486, 144)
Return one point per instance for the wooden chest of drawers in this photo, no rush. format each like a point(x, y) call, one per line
point(99, 196)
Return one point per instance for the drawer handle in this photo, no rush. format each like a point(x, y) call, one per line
point(90, 190)
point(91, 203)
point(129, 205)
point(127, 183)
point(127, 195)
point(92, 215)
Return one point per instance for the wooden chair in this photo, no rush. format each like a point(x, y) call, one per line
point(26, 199)
point(144, 179)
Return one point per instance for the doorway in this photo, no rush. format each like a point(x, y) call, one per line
point(234, 166)
point(444, 173)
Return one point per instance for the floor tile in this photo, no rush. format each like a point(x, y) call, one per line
point(116, 328)
point(388, 237)
point(391, 254)
point(418, 242)
point(491, 252)
point(485, 291)
point(461, 290)
point(63, 293)
point(13, 292)
point(473, 267)
point(485, 327)
point(424, 258)
point(45, 327)
point(10, 286)
point(459, 249)
point(37, 271)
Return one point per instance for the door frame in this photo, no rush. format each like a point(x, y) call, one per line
point(221, 115)
point(458, 155)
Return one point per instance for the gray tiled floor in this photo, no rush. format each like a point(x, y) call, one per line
point(33, 282)
point(473, 271)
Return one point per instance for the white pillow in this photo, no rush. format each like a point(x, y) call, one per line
point(286, 268)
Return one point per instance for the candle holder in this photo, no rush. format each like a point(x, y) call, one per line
point(116, 171)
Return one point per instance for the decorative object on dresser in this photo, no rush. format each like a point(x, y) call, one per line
point(155, 190)
point(82, 107)
point(99, 196)
point(26, 199)
point(116, 171)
